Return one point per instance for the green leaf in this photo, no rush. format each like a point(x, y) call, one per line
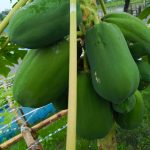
point(9, 55)
point(8, 117)
point(4, 68)
point(145, 13)
point(13, 56)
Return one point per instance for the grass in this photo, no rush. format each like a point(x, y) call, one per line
point(139, 138)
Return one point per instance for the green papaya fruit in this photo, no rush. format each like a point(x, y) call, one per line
point(144, 69)
point(62, 102)
point(143, 85)
point(148, 58)
point(126, 106)
point(134, 118)
point(132, 28)
point(41, 23)
point(115, 75)
point(43, 76)
point(94, 114)
point(137, 51)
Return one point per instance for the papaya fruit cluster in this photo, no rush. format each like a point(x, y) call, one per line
point(115, 51)
point(43, 75)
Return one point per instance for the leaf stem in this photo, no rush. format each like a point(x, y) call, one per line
point(5, 22)
point(103, 6)
point(29, 1)
point(4, 45)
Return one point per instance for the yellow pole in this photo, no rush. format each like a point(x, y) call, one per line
point(72, 105)
point(5, 22)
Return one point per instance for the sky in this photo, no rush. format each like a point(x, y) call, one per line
point(5, 4)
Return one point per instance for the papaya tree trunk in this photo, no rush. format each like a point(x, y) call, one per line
point(108, 142)
point(126, 5)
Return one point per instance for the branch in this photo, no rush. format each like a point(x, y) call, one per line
point(4, 45)
point(103, 6)
point(5, 22)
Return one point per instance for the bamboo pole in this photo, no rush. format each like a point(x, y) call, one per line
point(72, 104)
point(13, 140)
point(37, 127)
point(26, 132)
point(5, 22)
point(49, 120)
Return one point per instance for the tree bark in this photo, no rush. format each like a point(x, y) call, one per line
point(126, 5)
point(108, 142)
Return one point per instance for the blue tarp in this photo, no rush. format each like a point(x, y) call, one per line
point(33, 116)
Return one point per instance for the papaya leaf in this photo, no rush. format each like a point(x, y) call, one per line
point(4, 69)
point(9, 55)
point(145, 13)
point(13, 56)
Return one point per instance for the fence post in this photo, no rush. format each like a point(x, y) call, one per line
point(25, 130)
